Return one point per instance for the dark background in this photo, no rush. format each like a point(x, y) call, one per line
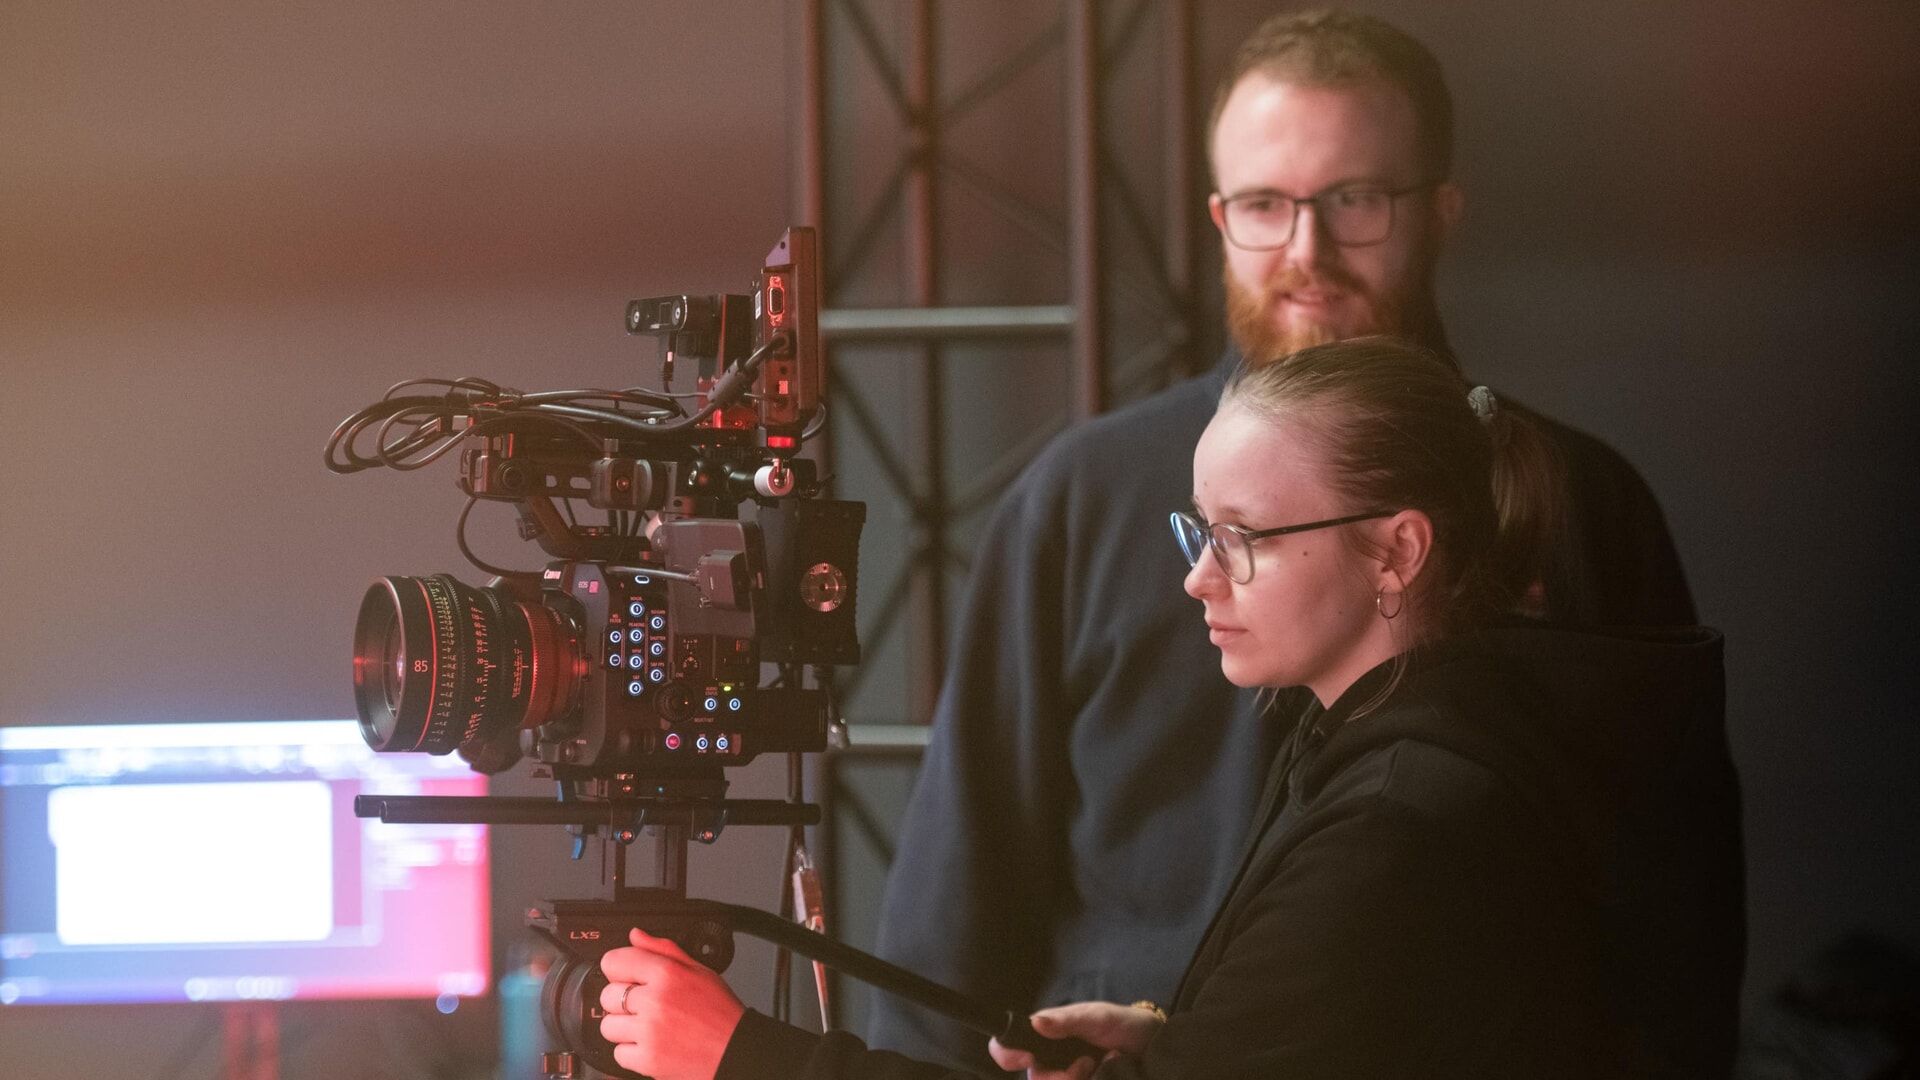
point(223, 227)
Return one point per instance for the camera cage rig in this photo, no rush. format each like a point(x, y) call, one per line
point(629, 668)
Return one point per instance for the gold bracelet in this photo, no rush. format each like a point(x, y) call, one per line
point(1158, 1013)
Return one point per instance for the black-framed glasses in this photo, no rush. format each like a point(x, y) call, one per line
point(1233, 544)
point(1352, 216)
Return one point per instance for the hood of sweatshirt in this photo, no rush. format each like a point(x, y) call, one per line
point(1618, 740)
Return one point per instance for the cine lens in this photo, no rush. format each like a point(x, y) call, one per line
point(439, 666)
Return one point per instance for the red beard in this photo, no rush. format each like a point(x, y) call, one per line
point(1250, 315)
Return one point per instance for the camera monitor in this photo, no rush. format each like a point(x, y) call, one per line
point(223, 862)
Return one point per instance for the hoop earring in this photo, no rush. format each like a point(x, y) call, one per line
point(1380, 606)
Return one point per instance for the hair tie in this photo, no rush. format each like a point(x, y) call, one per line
point(1485, 405)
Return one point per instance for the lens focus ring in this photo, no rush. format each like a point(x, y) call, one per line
point(439, 666)
point(407, 664)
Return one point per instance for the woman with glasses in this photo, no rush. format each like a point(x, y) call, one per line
point(1488, 849)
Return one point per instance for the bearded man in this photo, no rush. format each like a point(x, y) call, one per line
point(1083, 800)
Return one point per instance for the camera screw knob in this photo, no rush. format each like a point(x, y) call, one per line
point(773, 480)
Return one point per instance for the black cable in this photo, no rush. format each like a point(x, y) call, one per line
point(341, 441)
point(732, 385)
point(468, 382)
point(434, 416)
point(813, 426)
point(460, 538)
point(436, 428)
point(433, 419)
point(508, 417)
point(634, 396)
point(422, 412)
point(643, 426)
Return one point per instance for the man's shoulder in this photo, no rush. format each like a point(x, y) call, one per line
point(1147, 434)
point(1589, 459)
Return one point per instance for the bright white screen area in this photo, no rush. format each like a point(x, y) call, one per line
point(135, 867)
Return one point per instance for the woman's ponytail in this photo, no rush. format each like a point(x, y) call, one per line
point(1533, 550)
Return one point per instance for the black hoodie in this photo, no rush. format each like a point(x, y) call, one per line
point(1525, 861)
point(1518, 857)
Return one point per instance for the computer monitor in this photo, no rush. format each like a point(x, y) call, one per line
point(223, 862)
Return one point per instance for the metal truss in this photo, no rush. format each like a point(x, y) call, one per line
point(1116, 315)
point(1127, 323)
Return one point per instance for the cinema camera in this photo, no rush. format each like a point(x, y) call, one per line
point(631, 668)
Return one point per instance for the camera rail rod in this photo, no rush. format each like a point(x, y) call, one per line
point(619, 813)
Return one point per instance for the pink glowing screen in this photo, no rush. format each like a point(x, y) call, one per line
point(223, 862)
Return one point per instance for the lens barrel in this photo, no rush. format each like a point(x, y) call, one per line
point(439, 665)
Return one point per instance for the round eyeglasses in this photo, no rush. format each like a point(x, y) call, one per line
point(1352, 217)
point(1233, 544)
